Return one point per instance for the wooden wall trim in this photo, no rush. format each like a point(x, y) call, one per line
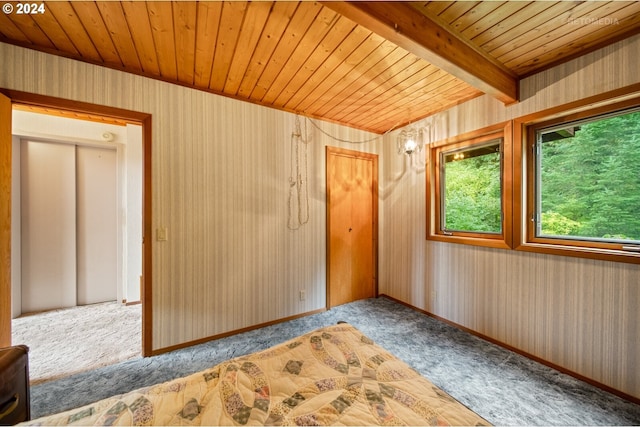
point(504, 240)
point(5, 221)
point(540, 360)
point(234, 332)
point(575, 107)
point(146, 296)
point(33, 99)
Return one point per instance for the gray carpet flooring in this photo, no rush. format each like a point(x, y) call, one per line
point(501, 386)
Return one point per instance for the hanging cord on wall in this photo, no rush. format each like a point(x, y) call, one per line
point(364, 141)
point(298, 201)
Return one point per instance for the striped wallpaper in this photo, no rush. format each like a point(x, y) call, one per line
point(220, 187)
point(580, 314)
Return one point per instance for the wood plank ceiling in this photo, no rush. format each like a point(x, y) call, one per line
point(369, 65)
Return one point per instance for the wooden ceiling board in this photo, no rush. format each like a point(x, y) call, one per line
point(456, 10)
point(305, 15)
point(184, 28)
point(116, 22)
point(334, 82)
point(343, 88)
point(372, 88)
point(399, 106)
point(10, 30)
point(565, 45)
point(529, 26)
point(403, 88)
point(556, 34)
point(279, 19)
point(31, 30)
point(321, 59)
point(398, 98)
point(318, 42)
point(456, 92)
point(233, 15)
point(321, 65)
point(208, 24)
point(503, 19)
point(433, 8)
point(83, 23)
point(470, 20)
point(545, 34)
point(252, 29)
point(55, 32)
point(138, 18)
point(161, 20)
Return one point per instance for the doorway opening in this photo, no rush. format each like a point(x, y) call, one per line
point(77, 240)
point(136, 294)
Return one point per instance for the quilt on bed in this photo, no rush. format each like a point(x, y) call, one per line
point(331, 376)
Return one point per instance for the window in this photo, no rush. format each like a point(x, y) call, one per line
point(470, 189)
point(583, 184)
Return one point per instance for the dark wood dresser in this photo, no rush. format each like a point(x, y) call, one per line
point(14, 385)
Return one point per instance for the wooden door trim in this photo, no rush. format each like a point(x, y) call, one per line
point(374, 190)
point(134, 117)
point(5, 226)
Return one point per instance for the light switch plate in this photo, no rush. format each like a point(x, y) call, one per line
point(161, 234)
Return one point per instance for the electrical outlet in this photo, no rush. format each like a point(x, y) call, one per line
point(303, 295)
point(434, 295)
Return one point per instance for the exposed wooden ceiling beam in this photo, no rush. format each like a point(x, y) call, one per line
point(430, 40)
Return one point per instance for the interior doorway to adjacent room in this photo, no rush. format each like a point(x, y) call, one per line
point(97, 148)
point(77, 239)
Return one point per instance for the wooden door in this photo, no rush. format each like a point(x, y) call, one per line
point(5, 221)
point(352, 211)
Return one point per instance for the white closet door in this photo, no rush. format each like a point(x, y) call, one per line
point(97, 225)
point(48, 199)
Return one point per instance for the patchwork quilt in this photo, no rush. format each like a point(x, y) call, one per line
point(331, 376)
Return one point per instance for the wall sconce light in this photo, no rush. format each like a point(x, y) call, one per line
point(410, 141)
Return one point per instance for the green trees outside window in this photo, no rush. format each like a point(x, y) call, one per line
point(473, 189)
point(588, 179)
point(563, 181)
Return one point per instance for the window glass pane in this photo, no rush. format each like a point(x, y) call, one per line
point(588, 183)
point(472, 189)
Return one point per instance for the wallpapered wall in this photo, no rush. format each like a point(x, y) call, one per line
point(577, 313)
point(221, 172)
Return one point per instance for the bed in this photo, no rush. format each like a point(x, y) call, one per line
point(331, 376)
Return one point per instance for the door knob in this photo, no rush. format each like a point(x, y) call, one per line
point(350, 229)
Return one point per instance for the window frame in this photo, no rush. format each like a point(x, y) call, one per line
point(525, 198)
point(434, 197)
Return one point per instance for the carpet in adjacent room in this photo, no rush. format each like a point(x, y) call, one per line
point(72, 340)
